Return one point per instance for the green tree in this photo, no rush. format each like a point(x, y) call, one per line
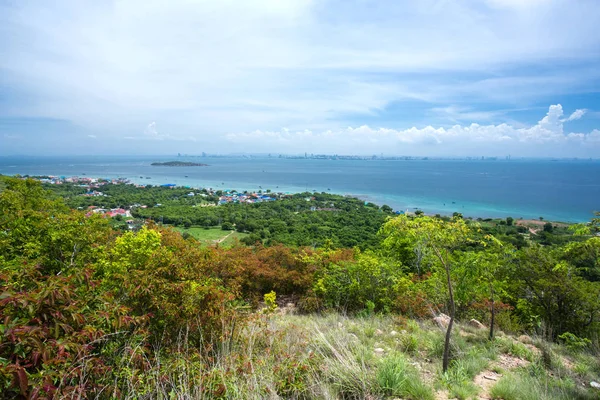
point(439, 239)
point(387, 209)
point(549, 288)
point(482, 272)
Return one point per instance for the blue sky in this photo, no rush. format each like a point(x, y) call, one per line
point(433, 77)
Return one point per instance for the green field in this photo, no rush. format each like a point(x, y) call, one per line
point(212, 235)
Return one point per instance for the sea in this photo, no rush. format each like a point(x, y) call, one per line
point(556, 190)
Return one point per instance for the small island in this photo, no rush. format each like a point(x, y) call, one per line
point(178, 164)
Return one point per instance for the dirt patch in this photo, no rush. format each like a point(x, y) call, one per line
point(535, 223)
point(485, 380)
point(441, 395)
point(534, 350)
point(567, 363)
point(466, 334)
point(506, 361)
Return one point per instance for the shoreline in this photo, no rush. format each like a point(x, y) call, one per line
point(410, 205)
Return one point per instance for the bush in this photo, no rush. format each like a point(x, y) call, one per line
point(161, 274)
point(59, 333)
point(573, 342)
point(351, 285)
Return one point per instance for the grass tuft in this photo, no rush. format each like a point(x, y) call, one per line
point(396, 377)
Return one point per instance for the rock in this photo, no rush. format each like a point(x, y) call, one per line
point(491, 378)
point(524, 339)
point(442, 320)
point(595, 385)
point(476, 324)
point(379, 350)
point(393, 333)
point(379, 332)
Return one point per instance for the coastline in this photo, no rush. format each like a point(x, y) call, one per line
point(409, 204)
point(566, 191)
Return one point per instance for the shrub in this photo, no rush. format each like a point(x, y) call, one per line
point(351, 285)
point(573, 342)
point(59, 333)
point(163, 275)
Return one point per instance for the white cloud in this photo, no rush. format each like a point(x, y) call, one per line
point(577, 114)
point(547, 133)
point(92, 136)
point(151, 130)
point(201, 67)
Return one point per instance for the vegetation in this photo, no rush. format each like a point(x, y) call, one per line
point(304, 219)
point(212, 236)
point(90, 311)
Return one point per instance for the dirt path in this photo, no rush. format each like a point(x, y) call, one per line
point(488, 378)
point(218, 241)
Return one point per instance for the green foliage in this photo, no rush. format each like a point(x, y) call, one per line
point(59, 327)
point(573, 342)
point(346, 222)
point(521, 385)
point(270, 300)
point(396, 377)
point(548, 288)
point(88, 311)
point(161, 274)
point(353, 285)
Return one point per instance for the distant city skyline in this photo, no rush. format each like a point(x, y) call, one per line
point(428, 78)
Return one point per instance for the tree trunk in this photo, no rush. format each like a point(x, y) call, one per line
point(493, 317)
point(446, 359)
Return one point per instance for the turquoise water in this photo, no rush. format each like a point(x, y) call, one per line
point(556, 190)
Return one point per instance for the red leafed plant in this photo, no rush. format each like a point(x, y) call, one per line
point(58, 333)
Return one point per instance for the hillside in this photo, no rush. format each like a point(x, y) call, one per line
point(96, 312)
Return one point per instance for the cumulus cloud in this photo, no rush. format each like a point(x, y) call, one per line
point(577, 114)
point(548, 131)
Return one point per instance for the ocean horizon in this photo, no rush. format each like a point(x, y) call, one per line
point(559, 190)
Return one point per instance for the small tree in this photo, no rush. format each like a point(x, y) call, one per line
point(439, 239)
point(482, 271)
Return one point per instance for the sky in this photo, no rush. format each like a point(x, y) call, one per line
point(398, 77)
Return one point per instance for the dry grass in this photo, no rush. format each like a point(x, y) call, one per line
point(337, 357)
